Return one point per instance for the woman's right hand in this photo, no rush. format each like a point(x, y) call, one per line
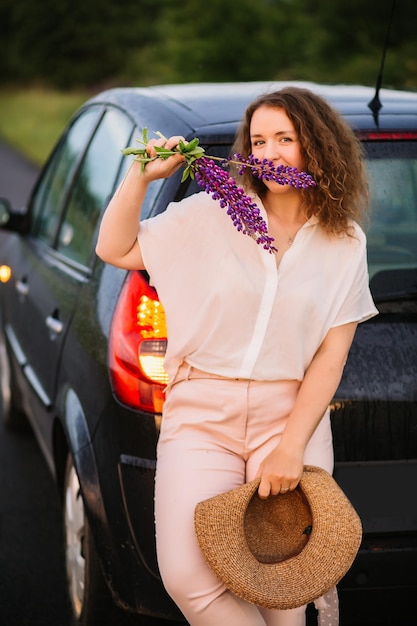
point(162, 168)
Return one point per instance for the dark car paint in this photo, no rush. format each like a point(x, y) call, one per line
point(114, 447)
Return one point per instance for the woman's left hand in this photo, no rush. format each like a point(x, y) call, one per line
point(280, 472)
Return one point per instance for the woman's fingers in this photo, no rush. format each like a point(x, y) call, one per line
point(273, 487)
point(264, 489)
point(163, 167)
point(174, 141)
point(170, 144)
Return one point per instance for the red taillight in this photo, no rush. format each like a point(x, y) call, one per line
point(137, 346)
point(388, 135)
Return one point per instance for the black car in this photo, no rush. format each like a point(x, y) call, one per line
point(82, 346)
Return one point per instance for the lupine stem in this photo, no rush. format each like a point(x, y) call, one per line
point(216, 181)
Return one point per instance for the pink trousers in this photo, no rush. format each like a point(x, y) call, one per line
point(215, 432)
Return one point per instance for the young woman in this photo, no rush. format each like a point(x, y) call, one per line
point(257, 341)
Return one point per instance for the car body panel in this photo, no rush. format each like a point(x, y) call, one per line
point(38, 312)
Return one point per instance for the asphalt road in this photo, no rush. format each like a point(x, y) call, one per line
point(32, 570)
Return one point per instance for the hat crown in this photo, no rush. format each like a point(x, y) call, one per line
point(275, 529)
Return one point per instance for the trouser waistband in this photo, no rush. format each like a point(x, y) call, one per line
point(189, 372)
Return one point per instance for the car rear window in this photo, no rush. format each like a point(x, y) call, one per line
point(392, 232)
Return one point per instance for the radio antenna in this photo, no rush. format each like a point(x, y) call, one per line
point(375, 104)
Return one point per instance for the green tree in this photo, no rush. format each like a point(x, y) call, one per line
point(94, 42)
point(221, 41)
point(74, 42)
point(349, 39)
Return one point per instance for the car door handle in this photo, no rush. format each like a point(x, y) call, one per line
point(22, 287)
point(54, 325)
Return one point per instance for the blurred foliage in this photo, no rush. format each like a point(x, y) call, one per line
point(71, 43)
point(92, 43)
point(31, 120)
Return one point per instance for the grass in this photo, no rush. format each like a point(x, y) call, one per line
point(32, 119)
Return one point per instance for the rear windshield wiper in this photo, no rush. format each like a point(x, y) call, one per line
point(394, 285)
point(394, 296)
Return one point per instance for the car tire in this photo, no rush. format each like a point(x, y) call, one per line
point(14, 419)
point(90, 597)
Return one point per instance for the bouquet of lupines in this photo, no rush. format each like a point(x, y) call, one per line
point(215, 180)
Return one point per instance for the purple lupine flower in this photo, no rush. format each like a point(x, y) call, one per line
point(242, 210)
point(281, 174)
point(217, 182)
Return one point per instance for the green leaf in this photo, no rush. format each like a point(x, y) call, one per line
point(145, 159)
point(189, 147)
point(164, 153)
point(187, 173)
point(129, 151)
point(197, 152)
point(161, 136)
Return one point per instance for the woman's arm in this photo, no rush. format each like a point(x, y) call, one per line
point(283, 467)
point(117, 239)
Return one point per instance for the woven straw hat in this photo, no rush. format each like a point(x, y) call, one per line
point(283, 551)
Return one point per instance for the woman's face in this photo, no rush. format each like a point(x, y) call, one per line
point(273, 137)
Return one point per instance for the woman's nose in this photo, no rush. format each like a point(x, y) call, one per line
point(271, 151)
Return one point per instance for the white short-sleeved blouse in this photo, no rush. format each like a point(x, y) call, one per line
point(230, 311)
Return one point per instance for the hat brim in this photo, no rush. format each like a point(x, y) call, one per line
point(328, 554)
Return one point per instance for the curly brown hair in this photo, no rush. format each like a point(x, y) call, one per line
point(331, 151)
